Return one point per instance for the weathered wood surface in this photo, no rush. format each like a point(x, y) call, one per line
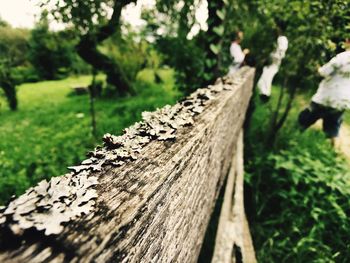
point(157, 208)
point(233, 241)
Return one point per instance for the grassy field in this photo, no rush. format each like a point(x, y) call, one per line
point(51, 129)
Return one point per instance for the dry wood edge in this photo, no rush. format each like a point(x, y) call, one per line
point(233, 239)
point(156, 208)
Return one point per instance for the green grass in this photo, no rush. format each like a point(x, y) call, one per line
point(347, 118)
point(51, 129)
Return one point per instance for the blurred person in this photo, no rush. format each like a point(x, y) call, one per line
point(332, 97)
point(265, 81)
point(238, 55)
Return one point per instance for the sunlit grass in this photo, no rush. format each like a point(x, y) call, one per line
point(347, 117)
point(51, 129)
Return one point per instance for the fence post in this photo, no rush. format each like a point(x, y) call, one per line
point(145, 196)
point(233, 241)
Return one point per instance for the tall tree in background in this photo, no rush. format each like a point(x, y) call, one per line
point(91, 21)
point(13, 47)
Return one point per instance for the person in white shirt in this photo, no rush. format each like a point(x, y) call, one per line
point(265, 82)
point(332, 97)
point(236, 52)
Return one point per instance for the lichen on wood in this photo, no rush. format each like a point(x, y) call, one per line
point(157, 185)
point(48, 205)
point(160, 125)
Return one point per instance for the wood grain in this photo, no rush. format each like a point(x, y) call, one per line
point(157, 208)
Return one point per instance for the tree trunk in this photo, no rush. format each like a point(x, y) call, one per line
point(279, 123)
point(93, 93)
point(87, 49)
point(274, 118)
point(10, 93)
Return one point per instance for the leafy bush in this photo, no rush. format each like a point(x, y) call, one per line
point(24, 74)
point(126, 53)
point(53, 54)
point(299, 195)
point(189, 60)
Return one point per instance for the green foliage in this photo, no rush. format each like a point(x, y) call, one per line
point(93, 22)
point(13, 46)
point(260, 38)
point(24, 74)
point(169, 26)
point(195, 58)
point(299, 201)
point(53, 53)
point(187, 58)
point(347, 117)
point(83, 15)
point(200, 59)
point(316, 30)
point(129, 54)
point(52, 128)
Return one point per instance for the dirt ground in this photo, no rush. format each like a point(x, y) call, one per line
point(343, 143)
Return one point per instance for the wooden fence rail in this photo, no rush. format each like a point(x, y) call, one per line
point(146, 196)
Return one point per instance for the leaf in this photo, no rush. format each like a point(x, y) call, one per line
point(219, 30)
point(209, 62)
point(221, 14)
point(215, 49)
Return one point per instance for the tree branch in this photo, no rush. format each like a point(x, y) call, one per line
point(87, 49)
